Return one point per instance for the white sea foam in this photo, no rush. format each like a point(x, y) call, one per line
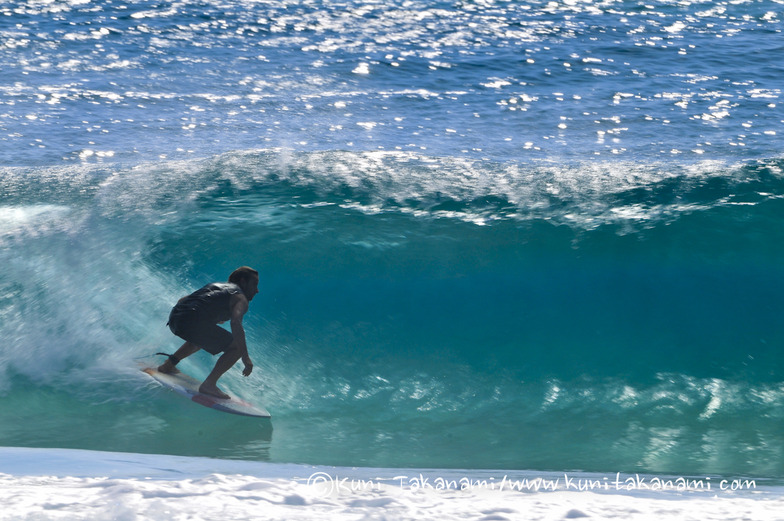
point(45, 484)
point(29, 219)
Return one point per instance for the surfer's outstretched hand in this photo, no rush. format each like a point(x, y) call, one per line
point(248, 367)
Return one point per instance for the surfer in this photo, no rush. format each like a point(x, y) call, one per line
point(195, 319)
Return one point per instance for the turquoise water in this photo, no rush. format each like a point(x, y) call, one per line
point(402, 333)
point(472, 254)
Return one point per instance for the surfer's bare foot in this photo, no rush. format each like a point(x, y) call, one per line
point(213, 390)
point(168, 368)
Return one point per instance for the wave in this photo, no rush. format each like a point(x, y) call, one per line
point(412, 307)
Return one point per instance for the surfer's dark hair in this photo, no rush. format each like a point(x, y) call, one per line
point(242, 274)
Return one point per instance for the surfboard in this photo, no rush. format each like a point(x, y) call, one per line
point(188, 386)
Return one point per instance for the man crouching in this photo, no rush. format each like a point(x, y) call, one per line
point(195, 319)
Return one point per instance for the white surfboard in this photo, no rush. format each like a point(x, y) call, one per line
point(188, 386)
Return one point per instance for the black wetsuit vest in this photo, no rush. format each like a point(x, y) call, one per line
point(210, 304)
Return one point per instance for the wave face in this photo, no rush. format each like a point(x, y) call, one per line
point(414, 310)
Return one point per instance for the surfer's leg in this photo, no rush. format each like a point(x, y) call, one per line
point(224, 363)
point(186, 350)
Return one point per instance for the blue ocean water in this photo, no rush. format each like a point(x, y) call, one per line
point(528, 235)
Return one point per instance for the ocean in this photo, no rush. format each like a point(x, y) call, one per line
point(523, 235)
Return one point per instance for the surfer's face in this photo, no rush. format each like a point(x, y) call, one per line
point(250, 287)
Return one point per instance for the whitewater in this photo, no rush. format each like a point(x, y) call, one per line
point(517, 259)
point(68, 484)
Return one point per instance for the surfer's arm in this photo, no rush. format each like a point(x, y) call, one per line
point(238, 310)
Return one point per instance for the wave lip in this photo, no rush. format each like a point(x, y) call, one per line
point(583, 195)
